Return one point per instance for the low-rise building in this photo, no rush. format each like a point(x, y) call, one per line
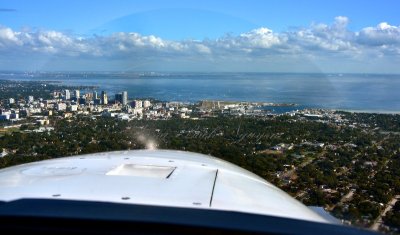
point(61, 106)
point(43, 122)
point(73, 108)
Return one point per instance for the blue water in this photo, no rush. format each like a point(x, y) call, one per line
point(367, 92)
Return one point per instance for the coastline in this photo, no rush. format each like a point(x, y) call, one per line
point(256, 89)
point(368, 111)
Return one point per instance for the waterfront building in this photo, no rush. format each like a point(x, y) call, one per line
point(67, 95)
point(118, 98)
point(146, 104)
point(104, 98)
point(77, 94)
point(124, 100)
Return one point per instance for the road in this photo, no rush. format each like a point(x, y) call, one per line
point(346, 198)
point(288, 174)
point(378, 221)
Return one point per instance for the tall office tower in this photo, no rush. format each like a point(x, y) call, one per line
point(95, 95)
point(77, 94)
point(104, 98)
point(124, 98)
point(118, 98)
point(67, 95)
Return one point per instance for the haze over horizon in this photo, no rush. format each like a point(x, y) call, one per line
point(200, 37)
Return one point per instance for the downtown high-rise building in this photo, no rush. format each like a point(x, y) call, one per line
point(104, 98)
point(67, 95)
point(124, 98)
point(118, 98)
point(77, 94)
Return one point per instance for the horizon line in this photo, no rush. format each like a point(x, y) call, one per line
point(161, 72)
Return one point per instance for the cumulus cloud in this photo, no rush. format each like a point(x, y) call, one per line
point(259, 38)
point(318, 41)
point(8, 37)
point(45, 42)
point(381, 35)
point(323, 38)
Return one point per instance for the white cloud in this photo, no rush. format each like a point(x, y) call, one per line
point(258, 38)
point(203, 49)
point(322, 38)
point(8, 37)
point(46, 42)
point(382, 34)
point(319, 41)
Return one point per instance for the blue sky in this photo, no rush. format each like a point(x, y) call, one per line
point(82, 17)
point(251, 35)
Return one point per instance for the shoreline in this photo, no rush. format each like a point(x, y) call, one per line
point(222, 101)
point(272, 104)
point(368, 111)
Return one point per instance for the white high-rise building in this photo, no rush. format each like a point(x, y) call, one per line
point(124, 98)
point(67, 95)
point(77, 94)
point(30, 99)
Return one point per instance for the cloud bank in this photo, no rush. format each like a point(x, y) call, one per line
point(318, 47)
